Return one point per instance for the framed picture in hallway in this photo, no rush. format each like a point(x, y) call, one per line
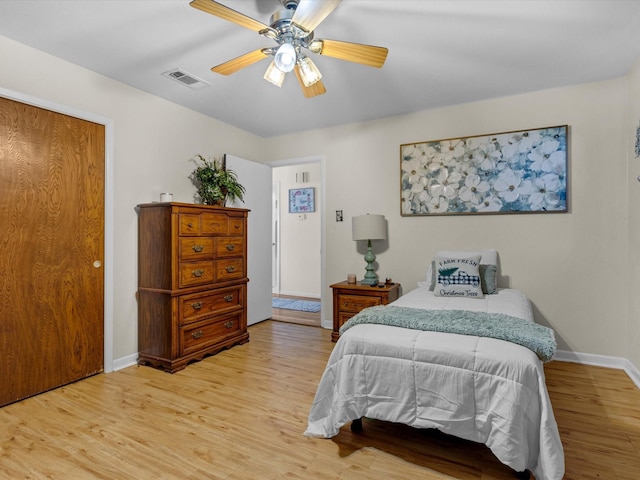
point(302, 200)
point(522, 171)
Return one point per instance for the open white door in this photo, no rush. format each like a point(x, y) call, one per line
point(256, 178)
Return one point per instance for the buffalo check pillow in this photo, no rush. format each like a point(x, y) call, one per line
point(458, 277)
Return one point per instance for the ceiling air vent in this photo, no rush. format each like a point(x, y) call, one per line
point(186, 79)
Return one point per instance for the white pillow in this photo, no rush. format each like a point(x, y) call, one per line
point(488, 257)
point(458, 277)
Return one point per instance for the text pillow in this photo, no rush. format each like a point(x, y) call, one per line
point(488, 280)
point(458, 277)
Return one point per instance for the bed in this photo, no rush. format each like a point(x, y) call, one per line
point(480, 386)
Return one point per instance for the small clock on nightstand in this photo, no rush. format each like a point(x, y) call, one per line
point(350, 298)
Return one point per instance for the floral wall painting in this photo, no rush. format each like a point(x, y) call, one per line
point(512, 172)
point(301, 200)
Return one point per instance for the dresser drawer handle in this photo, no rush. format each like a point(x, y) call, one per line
point(231, 247)
point(198, 248)
point(198, 273)
point(197, 334)
point(230, 269)
point(190, 225)
point(229, 324)
point(228, 298)
point(236, 226)
point(196, 305)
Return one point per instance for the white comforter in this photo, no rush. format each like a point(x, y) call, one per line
point(480, 389)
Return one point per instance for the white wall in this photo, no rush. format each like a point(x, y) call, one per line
point(300, 257)
point(595, 310)
point(573, 266)
point(153, 142)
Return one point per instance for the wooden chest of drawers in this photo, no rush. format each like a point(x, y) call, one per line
point(350, 298)
point(192, 282)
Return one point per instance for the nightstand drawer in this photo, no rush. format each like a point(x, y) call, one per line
point(355, 303)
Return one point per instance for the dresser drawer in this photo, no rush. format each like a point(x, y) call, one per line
point(195, 307)
point(189, 224)
point(196, 273)
point(199, 335)
point(194, 248)
point(229, 269)
point(236, 226)
point(214, 224)
point(355, 303)
point(228, 246)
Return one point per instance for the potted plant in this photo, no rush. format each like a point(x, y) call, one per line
point(215, 182)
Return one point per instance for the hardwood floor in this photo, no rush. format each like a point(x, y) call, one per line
point(312, 319)
point(241, 415)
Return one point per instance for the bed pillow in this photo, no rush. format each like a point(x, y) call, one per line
point(488, 257)
point(488, 278)
point(458, 277)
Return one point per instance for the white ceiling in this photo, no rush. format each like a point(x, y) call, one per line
point(441, 52)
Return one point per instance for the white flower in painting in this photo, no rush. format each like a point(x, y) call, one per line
point(438, 205)
point(507, 185)
point(490, 203)
point(487, 156)
point(544, 192)
point(451, 149)
point(413, 168)
point(525, 140)
point(474, 189)
point(547, 158)
point(446, 183)
point(407, 195)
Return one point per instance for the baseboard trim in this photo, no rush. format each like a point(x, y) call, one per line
point(600, 361)
point(300, 294)
point(124, 362)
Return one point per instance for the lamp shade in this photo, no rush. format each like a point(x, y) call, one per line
point(369, 227)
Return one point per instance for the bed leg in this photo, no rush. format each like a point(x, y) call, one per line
point(526, 475)
point(356, 425)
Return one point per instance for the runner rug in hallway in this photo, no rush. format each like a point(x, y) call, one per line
point(293, 304)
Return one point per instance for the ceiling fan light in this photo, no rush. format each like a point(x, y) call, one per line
point(285, 58)
point(308, 71)
point(274, 75)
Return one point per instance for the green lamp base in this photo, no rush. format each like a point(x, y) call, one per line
point(370, 277)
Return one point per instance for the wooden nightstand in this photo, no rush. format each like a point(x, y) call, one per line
point(350, 298)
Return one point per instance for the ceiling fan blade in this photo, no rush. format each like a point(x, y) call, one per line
point(309, 13)
point(219, 10)
point(313, 90)
point(239, 63)
point(353, 52)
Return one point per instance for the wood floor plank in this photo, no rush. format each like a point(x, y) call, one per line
point(241, 415)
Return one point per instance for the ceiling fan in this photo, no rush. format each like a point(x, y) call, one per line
point(292, 29)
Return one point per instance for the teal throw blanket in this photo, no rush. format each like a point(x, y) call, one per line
point(537, 338)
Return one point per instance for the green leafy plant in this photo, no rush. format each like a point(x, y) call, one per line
point(215, 183)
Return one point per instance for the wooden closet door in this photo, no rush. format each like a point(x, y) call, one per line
point(51, 249)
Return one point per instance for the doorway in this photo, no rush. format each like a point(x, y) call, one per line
point(297, 241)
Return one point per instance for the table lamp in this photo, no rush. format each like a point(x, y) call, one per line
point(369, 227)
